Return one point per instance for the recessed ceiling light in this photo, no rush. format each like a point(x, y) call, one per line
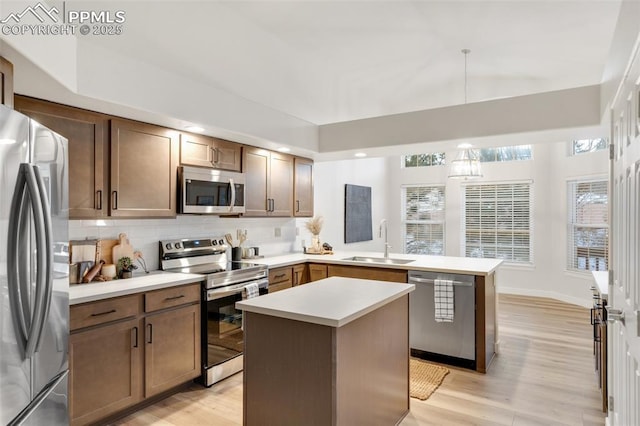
point(284, 149)
point(360, 154)
point(196, 129)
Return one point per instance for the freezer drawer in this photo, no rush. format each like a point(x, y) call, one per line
point(450, 339)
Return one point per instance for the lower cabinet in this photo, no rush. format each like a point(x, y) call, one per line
point(367, 273)
point(300, 274)
point(105, 374)
point(126, 349)
point(317, 271)
point(280, 279)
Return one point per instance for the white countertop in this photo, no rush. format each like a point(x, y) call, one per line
point(81, 293)
point(448, 264)
point(334, 301)
point(602, 281)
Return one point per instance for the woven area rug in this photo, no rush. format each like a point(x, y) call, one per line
point(424, 378)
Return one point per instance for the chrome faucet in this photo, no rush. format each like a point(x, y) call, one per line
point(383, 222)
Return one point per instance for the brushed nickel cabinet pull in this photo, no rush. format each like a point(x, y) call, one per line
point(114, 200)
point(99, 199)
point(297, 206)
point(112, 311)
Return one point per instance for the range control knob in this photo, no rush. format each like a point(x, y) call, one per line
point(214, 242)
point(168, 246)
point(178, 245)
point(221, 242)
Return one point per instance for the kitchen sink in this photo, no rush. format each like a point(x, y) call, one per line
point(379, 260)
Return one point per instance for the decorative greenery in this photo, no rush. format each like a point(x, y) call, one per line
point(125, 264)
point(314, 225)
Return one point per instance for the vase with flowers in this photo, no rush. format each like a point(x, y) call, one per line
point(314, 225)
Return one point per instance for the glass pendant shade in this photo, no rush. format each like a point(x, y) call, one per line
point(466, 165)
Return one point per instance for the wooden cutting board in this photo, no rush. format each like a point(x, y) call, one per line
point(122, 249)
point(105, 250)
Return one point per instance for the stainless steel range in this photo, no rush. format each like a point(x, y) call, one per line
point(222, 335)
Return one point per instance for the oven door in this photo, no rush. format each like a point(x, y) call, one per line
point(209, 191)
point(222, 328)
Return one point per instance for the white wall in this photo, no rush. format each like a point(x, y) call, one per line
point(549, 172)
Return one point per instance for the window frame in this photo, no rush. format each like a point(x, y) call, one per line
point(530, 220)
point(405, 221)
point(572, 256)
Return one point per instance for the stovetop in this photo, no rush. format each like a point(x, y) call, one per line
point(216, 268)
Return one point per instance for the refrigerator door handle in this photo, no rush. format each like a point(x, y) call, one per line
point(45, 286)
point(16, 276)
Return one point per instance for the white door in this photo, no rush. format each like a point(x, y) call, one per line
point(624, 283)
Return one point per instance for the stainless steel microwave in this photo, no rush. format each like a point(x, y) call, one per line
point(210, 191)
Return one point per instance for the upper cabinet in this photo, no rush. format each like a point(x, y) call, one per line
point(6, 82)
point(205, 151)
point(303, 187)
point(144, 161)
point(269, 183)
point(88, 167)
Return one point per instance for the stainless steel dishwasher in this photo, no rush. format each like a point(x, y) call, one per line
point(449, 342)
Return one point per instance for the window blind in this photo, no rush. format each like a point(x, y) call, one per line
point(423, 219)
point(588, 225)
point(497, 221)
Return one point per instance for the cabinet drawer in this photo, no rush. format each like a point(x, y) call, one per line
point(280, 275)
point(173, 296)
point(104, 311)
point(280, 286)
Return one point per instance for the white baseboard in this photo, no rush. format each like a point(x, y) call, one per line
point(586, 303)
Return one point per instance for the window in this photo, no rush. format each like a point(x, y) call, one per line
point(588, 233)
point(423, 160)
point(423, 219)
point(587, 145)
point(505, 153)
point(497, 221)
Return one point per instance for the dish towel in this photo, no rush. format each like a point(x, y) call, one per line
point(443, 298)
point(250, 290)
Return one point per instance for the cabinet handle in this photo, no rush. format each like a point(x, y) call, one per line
point(99, 199)
point(114, 200)
point(135, 329)
point(297, 206)
point(280, 276)
point(104, 313)
point(150, 328)
point(216, 155)
point(174, 297)
point(272, 204)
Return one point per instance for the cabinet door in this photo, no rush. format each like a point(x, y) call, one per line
point(300, 274)
point(196, 150)
point(256, 171)
point(105, 374)
point(227, 155)
point(6, 82)
point(303, 187)
point(317, 272)
point(86, 132)
point(172, 348)
point(368, 273)
point(281, 185)
point(144, 160)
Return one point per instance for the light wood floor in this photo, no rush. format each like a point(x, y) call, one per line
point(544, 375)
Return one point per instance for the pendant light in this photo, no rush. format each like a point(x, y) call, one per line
point(466, 165)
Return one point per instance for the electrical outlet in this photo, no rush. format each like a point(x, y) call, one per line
point(278, 232)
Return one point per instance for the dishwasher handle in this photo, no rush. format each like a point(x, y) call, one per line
point(418, 280)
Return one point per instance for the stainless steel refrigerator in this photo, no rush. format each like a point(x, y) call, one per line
point(34, 289)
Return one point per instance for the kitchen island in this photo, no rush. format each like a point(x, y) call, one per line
point(332, 352)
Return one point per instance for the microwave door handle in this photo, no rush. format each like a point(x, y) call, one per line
point(233, 195)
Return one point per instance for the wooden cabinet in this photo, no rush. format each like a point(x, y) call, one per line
point(300, 274)
point(303, 187)
point(205, 151)
point(317, 271)
point(144, 160)
point(126, 349)
point(368, 273)
point(269, 183)
point(6, 82)
point(280, 279)
point(105, 374)
point(86, 132)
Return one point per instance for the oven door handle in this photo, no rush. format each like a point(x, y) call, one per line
point(218, 293)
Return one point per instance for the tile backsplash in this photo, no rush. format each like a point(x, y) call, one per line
point(273, 235)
